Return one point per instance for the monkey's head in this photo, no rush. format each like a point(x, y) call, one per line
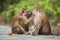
point(36, 10)
point(23, 11)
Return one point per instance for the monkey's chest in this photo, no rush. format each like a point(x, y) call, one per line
point(36, 19)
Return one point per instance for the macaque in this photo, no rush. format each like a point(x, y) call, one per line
point(40, 23)
point(20, 21)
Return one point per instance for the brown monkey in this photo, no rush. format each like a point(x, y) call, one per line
point(40, 23)
point(20, 21)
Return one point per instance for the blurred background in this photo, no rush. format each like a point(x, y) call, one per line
point(50, 7)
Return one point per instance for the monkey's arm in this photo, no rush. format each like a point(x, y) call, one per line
point(17, 28)
point(29, 20)
point(21, 28)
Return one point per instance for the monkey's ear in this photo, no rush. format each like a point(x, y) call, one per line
point(24, 10)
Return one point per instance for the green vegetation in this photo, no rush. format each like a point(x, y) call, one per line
point(51, 7)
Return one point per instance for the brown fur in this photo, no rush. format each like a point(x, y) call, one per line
point(40, 23)
point(20, 21)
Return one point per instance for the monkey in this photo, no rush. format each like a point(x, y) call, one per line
point(40, 23)
point(28, 14)
point(19, 22)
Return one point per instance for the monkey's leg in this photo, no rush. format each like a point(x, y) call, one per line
point(36, 28)
point(31, 29)
point(22, 29)
point(35, 31)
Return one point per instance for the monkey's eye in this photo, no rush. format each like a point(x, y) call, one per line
point(23, 11)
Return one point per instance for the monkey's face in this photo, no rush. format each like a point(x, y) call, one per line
point(35, 11)
point(23, 11)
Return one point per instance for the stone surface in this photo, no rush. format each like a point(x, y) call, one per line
point(5, 30)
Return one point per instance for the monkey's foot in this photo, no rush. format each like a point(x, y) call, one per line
point(27, 33)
